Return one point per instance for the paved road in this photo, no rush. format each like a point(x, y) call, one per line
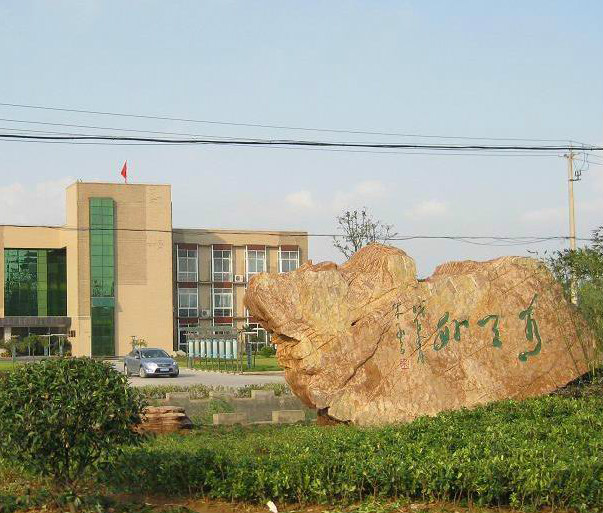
point(190, 377)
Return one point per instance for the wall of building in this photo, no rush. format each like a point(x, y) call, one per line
point(238, 241)
point(143, 263)
point(26, 238)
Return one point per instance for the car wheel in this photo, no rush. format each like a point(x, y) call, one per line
point(175, 374)
point(126, 370)
point(142, 373)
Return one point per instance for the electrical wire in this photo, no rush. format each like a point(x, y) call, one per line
point(506, 153)
point(335, 150)
point(494, 239)
point(96, 127)
point(297, 143)
point(270, 126)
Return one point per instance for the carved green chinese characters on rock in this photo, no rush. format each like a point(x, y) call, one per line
point(419, 311)
point(443, 330)
point(443, 336)
point(531, 331)
point(457, 328)
point(496, 341)
point(443, 333)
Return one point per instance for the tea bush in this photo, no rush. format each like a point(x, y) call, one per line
point(60, 418)
point(202, 391)
point(541, 452)
point(160, 391)
point(278, 389)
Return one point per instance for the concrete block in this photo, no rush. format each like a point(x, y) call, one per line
point(288, 416)
point(262, 394)
point(179, 396)
point(229, 419)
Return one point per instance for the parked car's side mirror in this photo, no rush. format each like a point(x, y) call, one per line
point(137, 356)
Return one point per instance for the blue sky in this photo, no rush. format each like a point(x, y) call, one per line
point(466, 68)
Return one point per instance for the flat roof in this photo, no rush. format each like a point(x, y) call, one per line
point(121, 184)
point(179, 230)
point(239, 232)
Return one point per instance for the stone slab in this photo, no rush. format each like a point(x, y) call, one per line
point(288, 416)
point(229, 419)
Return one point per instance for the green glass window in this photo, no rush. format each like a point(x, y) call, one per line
point(57, 282)
point(35, 282)
point(102, 276)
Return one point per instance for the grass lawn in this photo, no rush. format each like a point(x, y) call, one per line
point(265, 364)
point(7, 365)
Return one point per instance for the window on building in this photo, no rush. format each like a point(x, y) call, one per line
point(188, 302)
point(222, 302)
point(222, 264)
point(187, 265)
point(256, 262)
point(262, 336)
point(35, 282)
point(223, 328)
point(102, 276)
point(288, 260)
point(182, 331)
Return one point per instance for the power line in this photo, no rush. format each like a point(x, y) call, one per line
point(336, 150)
point(96, 127)
point(528, 239)
point(203, 135)
point(297, 143)
point(269, 126)
point(509, 153)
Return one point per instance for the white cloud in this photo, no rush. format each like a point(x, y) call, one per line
point(362, 191)
point(543, 215)
point(301, 199)
point(428, 208)
point(40, 203)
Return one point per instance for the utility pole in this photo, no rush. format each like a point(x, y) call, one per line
point(570, 186)
point(572, 218)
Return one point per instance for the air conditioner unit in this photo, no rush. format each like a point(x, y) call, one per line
point(239, 278)
point(205, 314)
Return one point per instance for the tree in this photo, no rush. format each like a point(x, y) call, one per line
point(360, 229)
point(138, 342)
point(585, 267)
point(33, 342)
point(13, 345)
point(62, 418)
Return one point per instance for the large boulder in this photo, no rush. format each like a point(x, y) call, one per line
point(367, 343)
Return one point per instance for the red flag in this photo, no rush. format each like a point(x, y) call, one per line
point(124, 171)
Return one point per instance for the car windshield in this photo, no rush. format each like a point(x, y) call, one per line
point(153, 353)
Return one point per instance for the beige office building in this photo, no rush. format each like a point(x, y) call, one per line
point(118, 270)
point(212, 269)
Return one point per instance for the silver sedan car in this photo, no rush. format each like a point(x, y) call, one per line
point(148, 362)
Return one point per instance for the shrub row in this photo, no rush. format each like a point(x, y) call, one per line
point(541, 452)
point(202, 391)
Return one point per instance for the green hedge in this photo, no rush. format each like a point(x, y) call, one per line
point(202, 391)
point(541, 452)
